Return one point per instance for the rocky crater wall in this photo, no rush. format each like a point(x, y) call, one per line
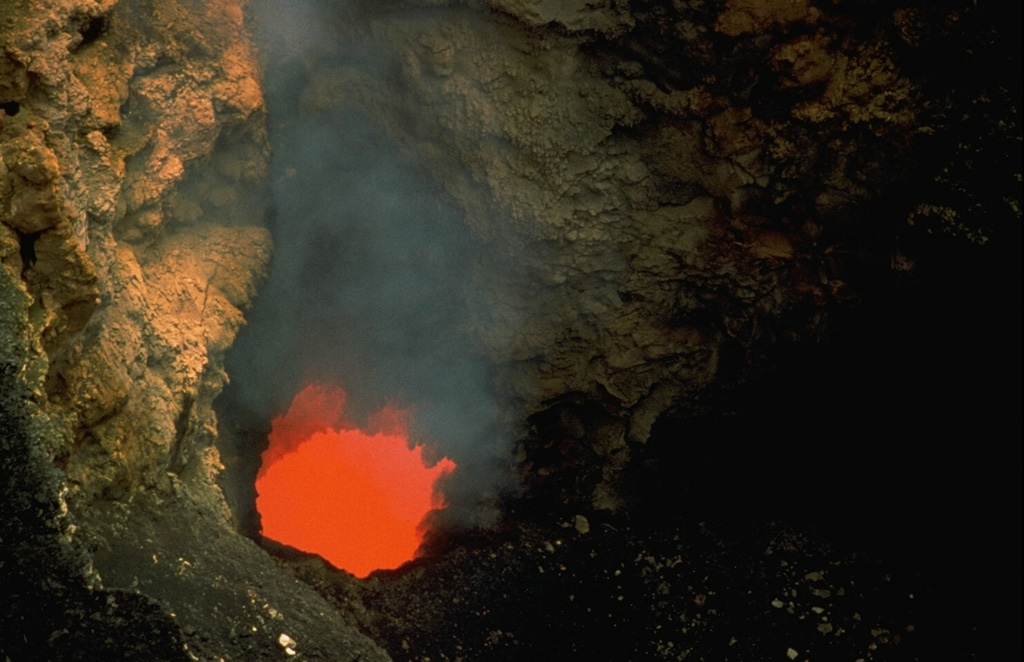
point(657, 197)
point(133, 172)
point(134, 161)
point(637, 204)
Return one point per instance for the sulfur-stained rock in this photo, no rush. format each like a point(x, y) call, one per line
point(105, 142)
point(132, 201)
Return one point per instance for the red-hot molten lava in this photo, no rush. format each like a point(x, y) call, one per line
point(354, 498)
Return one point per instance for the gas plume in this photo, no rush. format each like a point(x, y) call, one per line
point(369, 287)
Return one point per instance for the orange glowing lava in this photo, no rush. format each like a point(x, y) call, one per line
point(355, 498)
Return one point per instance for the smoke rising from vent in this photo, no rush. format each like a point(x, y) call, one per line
point(371, 284)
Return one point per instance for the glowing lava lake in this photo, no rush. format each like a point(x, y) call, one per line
point(355, 497)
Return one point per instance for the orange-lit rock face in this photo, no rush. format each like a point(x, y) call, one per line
point(355, 498)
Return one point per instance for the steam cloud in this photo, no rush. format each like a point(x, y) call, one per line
point(368, 288)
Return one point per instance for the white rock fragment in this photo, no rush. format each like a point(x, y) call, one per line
point(582, 524)
point(778, 604)
point(287, 643)
point(791, 653)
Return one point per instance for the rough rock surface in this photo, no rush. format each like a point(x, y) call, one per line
point(667, 191)
point(616, 592)
point(136, 244)
point(132, 199)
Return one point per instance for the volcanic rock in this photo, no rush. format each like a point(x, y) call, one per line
point(665, 202)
